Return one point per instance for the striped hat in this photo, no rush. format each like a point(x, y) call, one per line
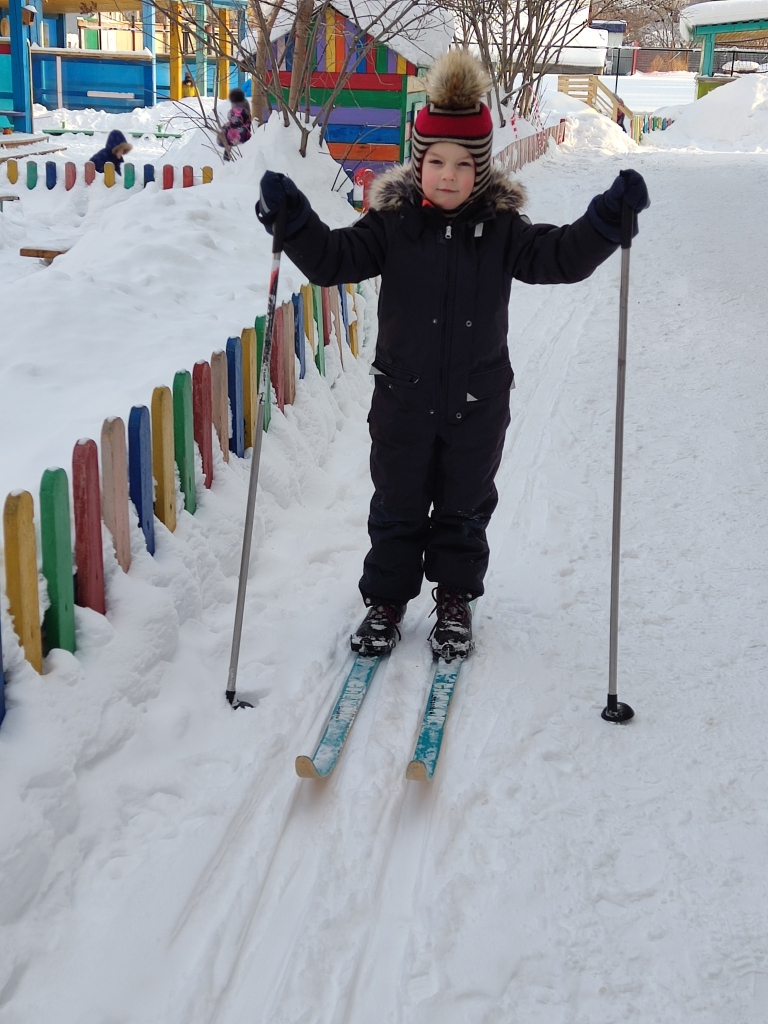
point(455, 113)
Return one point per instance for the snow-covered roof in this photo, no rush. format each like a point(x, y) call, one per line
point(586, 49)
point(720, 12)
point(420, 32)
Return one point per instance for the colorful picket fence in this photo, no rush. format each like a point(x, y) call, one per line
point(215, 404)
point(52, 173)
point(643, 124)
point(524, 151)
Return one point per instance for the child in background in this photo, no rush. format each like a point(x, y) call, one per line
point(237, 128)
point(447, 237)
point(114, 152)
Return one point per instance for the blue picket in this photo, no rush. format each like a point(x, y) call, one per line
point(140, 472)
point(299, 337)
point(149, 173)
point(50, 174)
point(344, 310)
point(235, 390)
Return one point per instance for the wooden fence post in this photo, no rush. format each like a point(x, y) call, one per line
point(344, 311)
point(129, 176)
point(309, 319)
point(220, 400)
point(89, 172)
point(109, 174)
point(325, 306)
point(167, 175)
point(187, 176)
point(333, 297)
point(149, 174)
point(299, 340)
point(2, 682)
point(140, 472)
point(56, 542)
point(114, 488)
point(207, 175)
point(277, 359)
point(21, 574)
point(183, 437)
point(235, 394)
point(201, 411)
point(89, 558)
point(31, 174)
point(317, 303)
point(162, 457)
point(260, 325)
point(70, 175)
point(250, 384)
point(354, 344)
point(289, 353)
point(50, 174)
point(12, 170)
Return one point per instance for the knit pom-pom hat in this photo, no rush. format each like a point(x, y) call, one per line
point(456, 83)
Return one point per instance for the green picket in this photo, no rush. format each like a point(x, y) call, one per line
point(129, 175)
point(56, 537)
point(31, 174)
point(260, 325)
point(317, 303)
point(184, 437)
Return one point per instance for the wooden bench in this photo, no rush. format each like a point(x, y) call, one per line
point(47, 255)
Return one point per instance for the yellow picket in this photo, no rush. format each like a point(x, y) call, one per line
point(250, 383)
point(207, 175)
point(12, 170)
point(352, 307)
point(162, 457)
point(109, 174)
point(21, 574)
point(309, 315)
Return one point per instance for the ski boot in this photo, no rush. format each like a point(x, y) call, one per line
point(451, 636)
point(378, 632)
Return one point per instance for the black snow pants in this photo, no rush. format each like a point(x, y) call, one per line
point(419, 464)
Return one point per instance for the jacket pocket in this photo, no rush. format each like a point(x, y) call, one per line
point(392, 375)
point(488, 383)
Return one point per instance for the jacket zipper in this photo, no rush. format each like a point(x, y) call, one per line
point(442, 404)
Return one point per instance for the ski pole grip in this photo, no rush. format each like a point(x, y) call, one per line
point(628, 221)
point(278, 231)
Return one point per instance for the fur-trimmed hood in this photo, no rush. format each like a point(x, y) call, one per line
point(395, 189)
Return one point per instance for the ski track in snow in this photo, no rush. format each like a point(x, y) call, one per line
point(558, 870)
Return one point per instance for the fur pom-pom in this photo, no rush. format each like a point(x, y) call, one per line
point(457, 81)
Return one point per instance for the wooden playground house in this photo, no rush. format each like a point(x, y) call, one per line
point(115, 60)
point(715, 30)
point(370, 125)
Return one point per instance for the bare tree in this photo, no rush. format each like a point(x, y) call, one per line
point(519, 41)
point(649, 22)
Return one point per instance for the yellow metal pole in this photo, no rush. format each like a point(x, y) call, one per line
point(222, 15)
point(175, 50)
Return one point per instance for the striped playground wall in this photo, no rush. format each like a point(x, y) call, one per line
point(139, 460)
point(51, 173)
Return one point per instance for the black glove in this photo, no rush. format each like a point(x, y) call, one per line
point(278, 192)
point(604, 211)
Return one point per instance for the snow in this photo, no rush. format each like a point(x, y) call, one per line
point(159, 859)
point(418, 32)
point(731, 118)
point(720, 12)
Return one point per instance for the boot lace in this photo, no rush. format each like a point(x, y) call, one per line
point(451, 605)
point(388, 613)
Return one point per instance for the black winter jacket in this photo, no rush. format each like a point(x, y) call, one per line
point(445, 283)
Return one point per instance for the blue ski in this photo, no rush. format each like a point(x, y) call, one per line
point(340, 720)
point(422, 767)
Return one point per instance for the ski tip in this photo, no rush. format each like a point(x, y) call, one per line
point(417, 772)
point(305, 767)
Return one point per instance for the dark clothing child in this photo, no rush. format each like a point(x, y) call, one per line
point(114, 152)
point(440, 405)
point(237, 127)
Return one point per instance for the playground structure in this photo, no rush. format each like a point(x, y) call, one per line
point(214, 405)
point(590, 90)
point(47, 56)
point(723, 23)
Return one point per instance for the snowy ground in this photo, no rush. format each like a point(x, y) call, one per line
point(161, 862)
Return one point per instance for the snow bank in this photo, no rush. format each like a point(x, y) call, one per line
point(587, 128)
point(733, 118)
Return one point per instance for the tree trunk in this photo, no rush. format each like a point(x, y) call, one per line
point(301, 31)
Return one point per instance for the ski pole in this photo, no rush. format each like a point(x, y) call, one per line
point(245, 558)
point(614, 710)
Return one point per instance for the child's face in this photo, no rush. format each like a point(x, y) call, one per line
point(447, 175)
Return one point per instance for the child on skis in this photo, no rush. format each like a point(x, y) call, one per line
point(447, 237)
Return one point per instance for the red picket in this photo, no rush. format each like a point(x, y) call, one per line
point(167, 176)
point(289, 353)
point(201, 414)
point(114, 489)
point(187, 176)
point(277, 359)
point(89, 172)
point(89, 582)
point(326, 301)
point(70, 175)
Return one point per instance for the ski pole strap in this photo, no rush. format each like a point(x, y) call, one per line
point(628, 221)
